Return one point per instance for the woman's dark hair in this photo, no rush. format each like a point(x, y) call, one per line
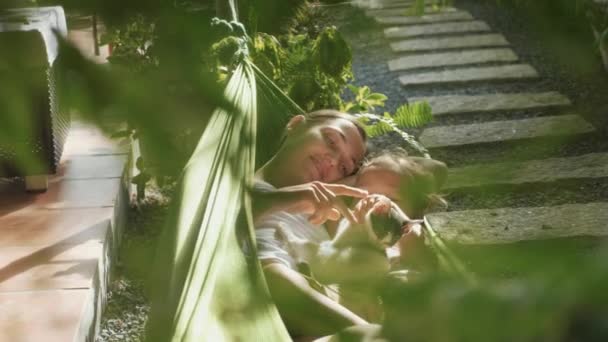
point(323, 115)
point(272, 145)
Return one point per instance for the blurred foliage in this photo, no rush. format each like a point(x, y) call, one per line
point(270, 16)
point(301, 64)
point(565, 300)
point(24, 95)
point(311, 70)
point(132, 45)
point(164, 84)
point(566, 26)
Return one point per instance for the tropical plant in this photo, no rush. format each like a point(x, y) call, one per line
point(597, 14)
point(365, 100)
point(311, 70)
point(376, 125)
point(411, 115)
point(132, 44)
point(270, 16)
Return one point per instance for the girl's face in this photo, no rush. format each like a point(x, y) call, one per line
point(397, 181)
point(379, 180)
point(325, 152)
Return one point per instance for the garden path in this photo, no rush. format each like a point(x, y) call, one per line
point(450, 50)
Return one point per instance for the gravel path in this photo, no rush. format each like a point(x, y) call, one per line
point(548, 47)
point(128, 304)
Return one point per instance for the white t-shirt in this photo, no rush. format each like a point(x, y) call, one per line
point(280, 235)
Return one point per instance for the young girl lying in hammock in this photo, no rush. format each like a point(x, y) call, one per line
point(361, 253)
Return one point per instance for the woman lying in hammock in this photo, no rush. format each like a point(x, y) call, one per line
point(293, 196)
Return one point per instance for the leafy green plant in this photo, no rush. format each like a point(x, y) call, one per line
point(411, 115)
point(311, 70)
point(597, 14)
point(365, 100)
point(405, 116)
point(132, 44)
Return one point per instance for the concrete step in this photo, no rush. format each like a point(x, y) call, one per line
point(404, 10)
point(462, 75)
point(436, 29)
point(563, 125)
point(424, 19)
point(440, 43)
point(454, 104)
point(592, 165)
point(452, 58)
point(379, 4)
point(508, 225)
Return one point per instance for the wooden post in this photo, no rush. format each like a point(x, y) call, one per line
point(95, 41)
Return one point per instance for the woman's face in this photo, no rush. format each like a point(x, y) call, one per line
point(326, 152)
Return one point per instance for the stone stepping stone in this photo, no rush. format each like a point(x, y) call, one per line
point(508, 225)
point(493, 73)
point(424, 19)
point(593, 165)
point(454, 104)
point(439, 43)
point(434, 29)
point(487, 132)
point(452, 58)
point(380, 4)
point(404, 11)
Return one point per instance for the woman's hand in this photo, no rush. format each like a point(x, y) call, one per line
point(323, 201)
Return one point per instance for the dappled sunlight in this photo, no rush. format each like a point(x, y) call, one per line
point(481, 124)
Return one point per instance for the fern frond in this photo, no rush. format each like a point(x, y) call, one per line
point(376, 125)
point(413, 115)
point(378, 129)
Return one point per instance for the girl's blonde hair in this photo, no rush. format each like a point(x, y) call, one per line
point(428, 175)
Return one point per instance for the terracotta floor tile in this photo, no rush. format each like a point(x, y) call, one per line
point(47, 268)
point(62, 194)
point(41, 316)
point(43, 227)
point(52, 243)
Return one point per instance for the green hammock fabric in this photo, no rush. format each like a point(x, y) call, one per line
point(208, 290)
